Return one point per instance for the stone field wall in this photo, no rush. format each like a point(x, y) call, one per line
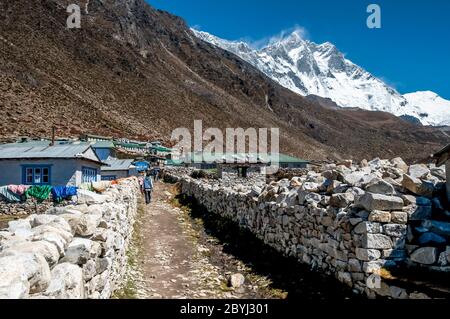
point(77, 251)
point(355, 222)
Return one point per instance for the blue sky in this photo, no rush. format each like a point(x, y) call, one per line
point(410, 52)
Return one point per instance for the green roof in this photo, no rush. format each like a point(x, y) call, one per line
point(251, 157)
point(161, 149)
point(103, 144)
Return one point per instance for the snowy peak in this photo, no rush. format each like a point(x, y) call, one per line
point(433, 109)
point(308, 68)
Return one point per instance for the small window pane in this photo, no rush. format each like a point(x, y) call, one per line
point(29, 179)
point(37, 171)
point(45, 179)
point(45, 171)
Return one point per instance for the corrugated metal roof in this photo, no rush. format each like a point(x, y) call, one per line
point(243, 157)
point(118, 165)
point(103, 144)
point(42, 149)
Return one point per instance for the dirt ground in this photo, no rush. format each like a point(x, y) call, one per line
point(178, 253)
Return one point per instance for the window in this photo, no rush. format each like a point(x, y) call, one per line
point(89, 175)
point(36, 174)
point(109, 178)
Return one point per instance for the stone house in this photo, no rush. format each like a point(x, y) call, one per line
point(41, 163)
point(443, 158)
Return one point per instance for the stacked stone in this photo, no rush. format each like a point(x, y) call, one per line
point(13, 209)
point(352, 221)
point(77, 251)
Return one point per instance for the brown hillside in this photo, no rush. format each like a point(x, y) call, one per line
point(138, 72)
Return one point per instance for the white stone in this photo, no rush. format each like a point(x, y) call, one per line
point(67, 282)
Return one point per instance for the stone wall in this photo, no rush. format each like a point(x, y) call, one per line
point(355, 222)
point(76, 251)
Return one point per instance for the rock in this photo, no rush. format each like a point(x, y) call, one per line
point(15, 225)
point(13, 279)
point(89, 270)
point(87, 225)
point(80, 250)
point(368, 227)
point(90, 198)
point(399, 163)
point(417, 213)
point(379, 186)
point(438, 172)
point(48, 250)
point(342, 200)
point(236, 281)
point(67, 282)
point(354, 179)
point(419, 171)
point(345, 278)
point(31, 266)
point(425, 255)
point(399, 217)
point(431, 239)
point(417, 186)
point(331, 185)
point(395, 230)
point(380, 217)
point(354, 265)
point(376, 241)
point(440, 228)
point(371, 202)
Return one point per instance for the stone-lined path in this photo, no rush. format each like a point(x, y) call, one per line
point(174, 255)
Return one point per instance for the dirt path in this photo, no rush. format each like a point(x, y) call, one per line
point(176, 253)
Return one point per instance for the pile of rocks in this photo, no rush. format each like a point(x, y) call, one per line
point(77, 251)
point(352, 221)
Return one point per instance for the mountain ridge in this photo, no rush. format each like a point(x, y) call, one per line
point(133, 71)
point(308, 68)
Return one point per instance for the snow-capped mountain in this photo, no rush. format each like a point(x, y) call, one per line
point(434, 109)
point(308, 68)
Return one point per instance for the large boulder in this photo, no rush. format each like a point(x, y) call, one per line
point(67, 282)
point(371, 202)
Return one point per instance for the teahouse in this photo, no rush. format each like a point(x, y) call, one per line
point(48, 163)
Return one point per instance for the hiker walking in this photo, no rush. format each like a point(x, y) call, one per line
point(148, 188)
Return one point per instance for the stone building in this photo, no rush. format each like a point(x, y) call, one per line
point(443, 158)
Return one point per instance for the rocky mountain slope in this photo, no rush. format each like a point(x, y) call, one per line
point(138, 72)
point(322, 70)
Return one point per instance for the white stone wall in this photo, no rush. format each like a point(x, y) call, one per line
point(74, 252)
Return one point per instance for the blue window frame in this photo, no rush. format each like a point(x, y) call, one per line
point(109, 178)
point(36, 174)
point(89, 174)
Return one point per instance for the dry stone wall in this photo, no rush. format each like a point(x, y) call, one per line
point(76, 251)
point(356, 222)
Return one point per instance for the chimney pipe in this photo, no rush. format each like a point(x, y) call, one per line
point(53, 136)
